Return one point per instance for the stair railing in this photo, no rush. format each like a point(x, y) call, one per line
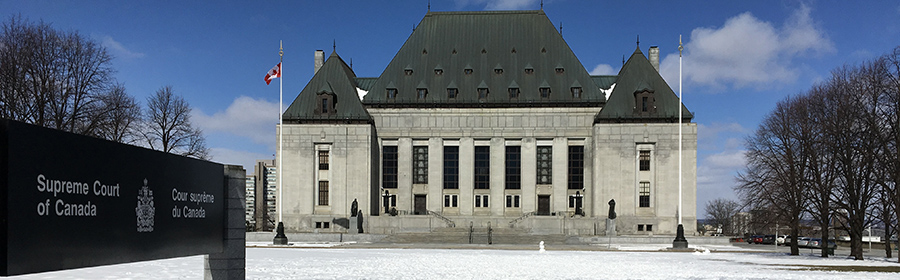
point(445, 219)
point(513, 223)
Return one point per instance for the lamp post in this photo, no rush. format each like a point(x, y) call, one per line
point(578, 203)
point(386, 199)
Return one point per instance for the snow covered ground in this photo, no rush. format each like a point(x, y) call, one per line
point(343, 263)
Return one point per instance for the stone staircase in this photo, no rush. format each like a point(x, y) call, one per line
point(460, 235)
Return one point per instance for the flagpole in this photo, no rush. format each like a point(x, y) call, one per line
point(280, 238)
point(680, 242)
point(680, 126)
point(280, 128)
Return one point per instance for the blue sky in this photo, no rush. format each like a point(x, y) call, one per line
point(740, 57)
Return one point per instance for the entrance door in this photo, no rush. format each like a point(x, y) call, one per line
point(543, 207)
point(419, 205)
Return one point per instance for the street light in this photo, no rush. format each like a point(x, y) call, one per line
point(386, 196)
point(578, 202)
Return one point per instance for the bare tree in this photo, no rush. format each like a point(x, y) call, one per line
point(777, 165)
point(720, 212)
point(51, 78)
point(119, 116)
point(822, 174)
point(168, 126)
point(852, 147)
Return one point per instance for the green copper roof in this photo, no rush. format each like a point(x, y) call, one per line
point(495, 50)
point(334, 78)
point(638, 75)
point(365, 83)
point(604, 81)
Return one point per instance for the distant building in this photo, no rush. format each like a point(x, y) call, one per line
point(261, 195)
point(250, 201)
point(488, 118)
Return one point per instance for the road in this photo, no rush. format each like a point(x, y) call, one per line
point(841, 251)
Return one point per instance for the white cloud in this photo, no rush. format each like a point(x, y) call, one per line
point(710, 133)
point(119, 50)
point(243, 158)
point(716, 177)
point(254, 119)
point(502, 4)
point(748, 52)
point(604, 69)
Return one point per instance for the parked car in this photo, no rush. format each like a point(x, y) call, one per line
point(803, 242)
point(816, 243)
point(782, 239)
point(768, 239)
point(754, 239)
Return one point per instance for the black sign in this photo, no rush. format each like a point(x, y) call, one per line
point(73, 201)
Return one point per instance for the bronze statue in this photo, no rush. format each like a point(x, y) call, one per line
point(612, 209)
point(353, 208)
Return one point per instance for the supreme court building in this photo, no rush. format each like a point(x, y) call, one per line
point(488, 117)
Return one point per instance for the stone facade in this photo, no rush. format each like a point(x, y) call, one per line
point(524, 158)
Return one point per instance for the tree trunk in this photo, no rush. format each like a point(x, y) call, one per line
point(795, 232)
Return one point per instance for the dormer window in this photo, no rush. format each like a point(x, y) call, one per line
point(468, 71)
point(438, 72)
point(391, 93)
point(408, 72)
point(498, 71)
point(644, 102)
point(513, 92)
point(421, 93)
point(529, 71)
point(482, 93)
point(576, 92)
point(545, 92)
point(560, 70)
point(325, 103)
point(452, 92)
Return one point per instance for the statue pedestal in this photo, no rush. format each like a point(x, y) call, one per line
point(610, 227)
point(354, 225)
point(680, 242)
point(280, 238)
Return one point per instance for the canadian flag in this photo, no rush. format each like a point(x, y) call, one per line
point(275, 72)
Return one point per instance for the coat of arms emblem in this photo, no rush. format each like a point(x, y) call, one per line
point(145, 210)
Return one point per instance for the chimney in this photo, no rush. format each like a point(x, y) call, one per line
point(654, 57)
point(320, 59)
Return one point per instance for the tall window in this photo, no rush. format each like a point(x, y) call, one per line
point(644, 160)
point(576, 167)
point(451, 167)
point(389, 167)
point(482, 167)
point(513, 167)
point(644, 191)
point(481, 200)
point(324, 106)
point(420, 165)
point(544, 165)
point(323, 192)
point(323, 160)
